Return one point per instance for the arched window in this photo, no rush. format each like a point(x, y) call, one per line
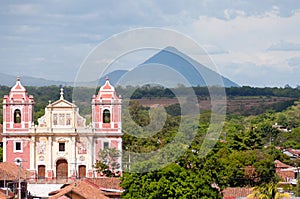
point(106, 116)
point(17, 116)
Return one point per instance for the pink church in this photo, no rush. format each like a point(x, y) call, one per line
point(61, 145)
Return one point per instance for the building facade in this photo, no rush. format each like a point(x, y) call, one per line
point(61, 145)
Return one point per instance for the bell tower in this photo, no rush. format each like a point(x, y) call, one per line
point(17, 110)
point(106, 121)
point(17, 120)
point(106, 110)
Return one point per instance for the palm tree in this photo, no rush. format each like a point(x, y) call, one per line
point(267, 191)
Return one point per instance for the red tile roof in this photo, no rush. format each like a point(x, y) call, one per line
point(10, 171)
point(81, 189)
point(106, 183)
point(281, 165)
point(283, 171)
point(234, 192)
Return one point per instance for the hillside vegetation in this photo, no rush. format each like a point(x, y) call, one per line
point(243, 155)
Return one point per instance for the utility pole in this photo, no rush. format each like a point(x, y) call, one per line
point(19, 162)
point(5, 185)
point(19, 179)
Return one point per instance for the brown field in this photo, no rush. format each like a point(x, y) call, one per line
point(239, 105)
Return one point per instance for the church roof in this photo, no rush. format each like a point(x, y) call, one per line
point(18, 93)
point(107, 86)
point(18, 86)
point(106, 92)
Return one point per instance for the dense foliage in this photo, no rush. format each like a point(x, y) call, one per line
point(42, 96)
point(243, 156)
point(159, 92)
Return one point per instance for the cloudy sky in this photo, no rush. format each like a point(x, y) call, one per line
point(252, 42)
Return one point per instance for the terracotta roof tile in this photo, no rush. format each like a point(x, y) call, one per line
point(82, 189)
point(234, 192)
point(281, 165)
point(11, 171)
point(106, 183)
point(281, 171)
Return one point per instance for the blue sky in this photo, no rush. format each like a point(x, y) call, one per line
point(252, 42)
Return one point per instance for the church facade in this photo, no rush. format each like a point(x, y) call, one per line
point(61, 145)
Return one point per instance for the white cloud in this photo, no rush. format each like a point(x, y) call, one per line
point(234, 34)
point(246, 33)
point(23, 9)
point(294, 62)
point(249, 73)
point(284, 46)
point(246, 39)
point(213, 49)
point(27, 29)
point(231, 13)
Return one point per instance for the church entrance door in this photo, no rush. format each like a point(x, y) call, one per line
point(61, 169)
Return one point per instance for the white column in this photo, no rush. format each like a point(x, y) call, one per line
point(50, 156)
point(89, 147)
point(73, 157)
point(32, 153)
point(91, 153)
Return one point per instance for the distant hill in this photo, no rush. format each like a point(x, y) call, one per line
point(170, 56)
point(176, 60)
point(113, 77)
point(10, 80)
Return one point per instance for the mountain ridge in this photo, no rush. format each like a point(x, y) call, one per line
point(195, 73)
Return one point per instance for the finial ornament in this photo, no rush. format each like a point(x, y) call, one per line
point(18, 78)
point(107, 78)
point(62, 93)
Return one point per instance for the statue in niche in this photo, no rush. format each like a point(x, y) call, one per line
point(41, 147)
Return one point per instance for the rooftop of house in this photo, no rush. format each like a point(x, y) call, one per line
point(106, 183)
point(80, 188)
point(281, 165)
point(10, 171)
point(234, 192)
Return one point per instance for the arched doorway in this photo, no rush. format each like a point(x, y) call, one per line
point(41, 171)
point(62, 169)
point(82, 171)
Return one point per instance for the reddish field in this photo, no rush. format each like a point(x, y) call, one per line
point(240, 105)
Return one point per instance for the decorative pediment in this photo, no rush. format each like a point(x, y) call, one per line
point(62, 103)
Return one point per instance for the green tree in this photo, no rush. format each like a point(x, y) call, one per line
point(267, 191)
point(173, 181)
point(108, 161)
